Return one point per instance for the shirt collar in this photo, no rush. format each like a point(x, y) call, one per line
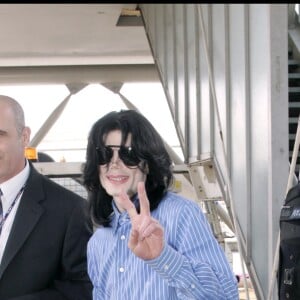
point(11, 187)
point(117, 218)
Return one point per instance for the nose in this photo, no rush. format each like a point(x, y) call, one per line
point(115, 158)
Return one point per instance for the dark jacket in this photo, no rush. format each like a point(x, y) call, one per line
point(45, 255)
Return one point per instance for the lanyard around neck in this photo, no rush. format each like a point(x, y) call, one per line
point(11, 207)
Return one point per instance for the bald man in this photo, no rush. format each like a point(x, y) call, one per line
point(44, 227)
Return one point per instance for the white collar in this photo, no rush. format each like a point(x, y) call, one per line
point(11, 187)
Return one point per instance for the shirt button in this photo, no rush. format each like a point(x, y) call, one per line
point(121, 270)
point(192, 286)
point(122, 237)
point(166, 267)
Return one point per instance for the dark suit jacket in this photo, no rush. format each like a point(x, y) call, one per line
point(45, 255)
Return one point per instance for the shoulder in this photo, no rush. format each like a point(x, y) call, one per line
point(179, 216)
point(63, 189)
point(172, 199)
point(101, 237)
point(47, 188)
point(178, 206)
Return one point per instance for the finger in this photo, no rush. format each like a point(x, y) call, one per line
point(145, 222)
point(128, 205)
point(153, 228)
point(144, 201)
point(133, 239)
point(147, 227)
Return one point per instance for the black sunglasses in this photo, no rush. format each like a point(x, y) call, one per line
point(126, 154)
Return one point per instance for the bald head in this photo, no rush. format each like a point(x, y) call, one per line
point(17, 111)
point(14, 138)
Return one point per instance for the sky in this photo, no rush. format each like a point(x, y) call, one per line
point(67, 138)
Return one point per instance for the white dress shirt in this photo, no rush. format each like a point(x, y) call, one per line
point(10, 190)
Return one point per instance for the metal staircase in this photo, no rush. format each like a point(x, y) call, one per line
point(294, 104)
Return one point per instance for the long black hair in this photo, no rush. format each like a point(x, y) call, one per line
point(146, 143)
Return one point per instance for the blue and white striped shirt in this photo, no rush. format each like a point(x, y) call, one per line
point(191, 266)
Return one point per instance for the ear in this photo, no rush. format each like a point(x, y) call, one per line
point(26, 135)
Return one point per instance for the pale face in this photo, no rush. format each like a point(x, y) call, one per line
point(12, 145)
point(116, 176)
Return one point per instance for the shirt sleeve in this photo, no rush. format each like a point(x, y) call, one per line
point(195, 264)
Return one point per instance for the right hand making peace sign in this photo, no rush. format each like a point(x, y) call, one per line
point(147, 235)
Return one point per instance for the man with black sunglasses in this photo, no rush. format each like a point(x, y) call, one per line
point(150, 243)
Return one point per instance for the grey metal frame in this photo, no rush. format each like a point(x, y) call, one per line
point(247, 56)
